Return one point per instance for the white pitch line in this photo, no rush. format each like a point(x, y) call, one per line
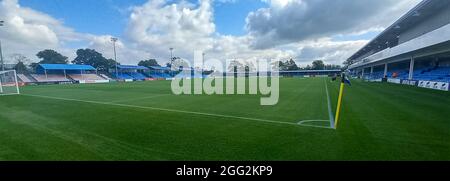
point(302, 123)
point(9, 94)
point(330, 112)
point(309, 121)
point(173, 110)
point(140, 98)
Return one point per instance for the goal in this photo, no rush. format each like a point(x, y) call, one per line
point(8, 83)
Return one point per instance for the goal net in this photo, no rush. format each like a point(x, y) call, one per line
point(8, 83)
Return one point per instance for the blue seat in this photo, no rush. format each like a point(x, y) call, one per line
point(137, 76)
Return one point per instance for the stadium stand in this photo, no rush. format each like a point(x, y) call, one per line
point(105, 77)
point(24, 78)
point(158, 75)
point(122, 76)
point(428, 73)
point(414, 48)
point(129, 72)
point(79, 77)
point(65, 73)
point(159, 72)
point(137, 75)
point(375, 75)
point(50, 78)
point(433, 74)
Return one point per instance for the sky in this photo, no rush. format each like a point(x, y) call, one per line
point(304, 30)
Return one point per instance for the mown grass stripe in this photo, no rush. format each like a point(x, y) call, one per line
point(172, 110)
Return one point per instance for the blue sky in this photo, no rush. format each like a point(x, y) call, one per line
point(230, 17)
point(87, 16)
point(110, 16)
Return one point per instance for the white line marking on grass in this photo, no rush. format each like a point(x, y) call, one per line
point(9, 94)
point(173, 110)
point(302, 123)
point(330, 113)
point(309, 121)
point(140, 98)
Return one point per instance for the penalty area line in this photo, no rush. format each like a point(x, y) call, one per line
point(174, 110)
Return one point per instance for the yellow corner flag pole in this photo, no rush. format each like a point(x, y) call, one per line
point(338, 110)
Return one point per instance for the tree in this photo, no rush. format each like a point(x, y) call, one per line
point(235, 66)
point(21, 68)
point(332, 67)
point(148, 63)
point(308, 67)
point(21, 62)
point(207, 72)
point(33, 66)
point(93, 58)
point(109, 63)
point(277, 65)
point(173, 60)
point(179, 63)
point(249, 66)
point(20, 58)
point(51, 57)
point(318, 65)
point(290, 65)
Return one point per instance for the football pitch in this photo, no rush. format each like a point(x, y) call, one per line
point(145, 121)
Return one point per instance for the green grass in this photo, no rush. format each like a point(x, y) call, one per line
point(146, 122)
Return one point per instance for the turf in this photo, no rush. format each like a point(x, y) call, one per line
point(144, 121)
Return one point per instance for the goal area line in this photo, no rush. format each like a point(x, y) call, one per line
point(177, 111)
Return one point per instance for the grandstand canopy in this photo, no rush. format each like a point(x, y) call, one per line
point(66, 67)
point(131, 67)
point(390, 36)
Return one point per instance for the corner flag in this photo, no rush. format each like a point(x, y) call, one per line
point(344, 81)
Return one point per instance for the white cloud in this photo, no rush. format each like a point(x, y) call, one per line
point(125, 53)
point(289, 28)
point(332, 52)
point(25, 29)
point(226, 1)
point(28, 31)
point(288, 21)
point(159, 26)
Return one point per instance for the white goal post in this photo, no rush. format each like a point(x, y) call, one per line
point(9, 84)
